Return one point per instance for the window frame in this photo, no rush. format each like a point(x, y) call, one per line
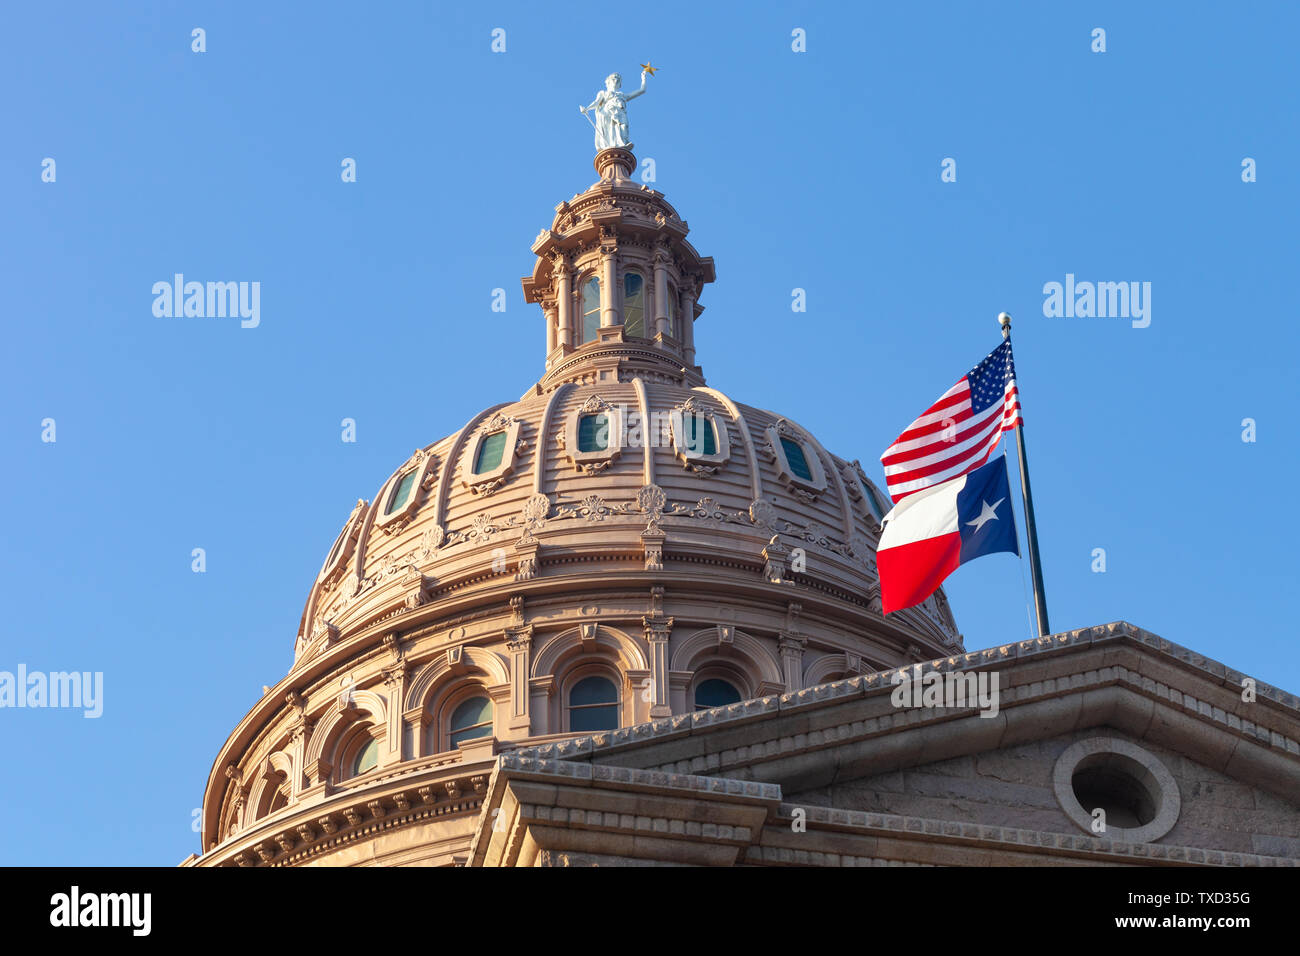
point(421, 463)
point(592, 462)
point(489, 481)
point(721, 438)
point(341, 550)
point(785, 474)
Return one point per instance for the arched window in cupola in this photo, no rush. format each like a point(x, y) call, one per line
point(634, 304)
point(590, 309)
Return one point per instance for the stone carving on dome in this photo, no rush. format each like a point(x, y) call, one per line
point(498, 422)
point(430, 541)
point(762, 513)
point(535, 510)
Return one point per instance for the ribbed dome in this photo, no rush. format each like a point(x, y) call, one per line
point(549, 510)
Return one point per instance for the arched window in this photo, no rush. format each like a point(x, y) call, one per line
point(470, 720)
point(367, 758)
point(634, 304)
point(593, 705)
point(590, 310)
point(715, 692)
point(401, 492)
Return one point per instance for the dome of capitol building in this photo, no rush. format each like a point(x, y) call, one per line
point(624, 544)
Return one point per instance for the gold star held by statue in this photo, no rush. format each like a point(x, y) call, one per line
point(649, 69)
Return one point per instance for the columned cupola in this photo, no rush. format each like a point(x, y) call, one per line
point(618, 283)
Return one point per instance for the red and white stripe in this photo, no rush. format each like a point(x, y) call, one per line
point(948, 440)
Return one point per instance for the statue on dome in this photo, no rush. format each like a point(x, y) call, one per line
point(610, 108)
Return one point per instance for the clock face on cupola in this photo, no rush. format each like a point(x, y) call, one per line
point(625, 543)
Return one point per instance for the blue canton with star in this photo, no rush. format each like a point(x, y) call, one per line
point(988, 380)
point(985, 512)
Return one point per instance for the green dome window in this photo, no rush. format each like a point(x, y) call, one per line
point(715, 693)
point(470, 720)
point(634, 304)
point(490, 452)
point(593, 433)
point(700, 436)
point(593, 705)
point(401, 493)
point(366, 759)
point(794, 456)
point(590, 310)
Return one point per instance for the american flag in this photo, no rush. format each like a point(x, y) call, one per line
point(957, 433)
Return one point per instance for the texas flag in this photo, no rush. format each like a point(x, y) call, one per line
point(930, 533)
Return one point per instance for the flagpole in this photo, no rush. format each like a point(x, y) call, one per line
point(1031, 529)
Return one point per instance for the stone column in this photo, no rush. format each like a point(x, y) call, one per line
point(688, 322)
point(661, 293)
point(395, 688)
point(609, 295)
point(791, 647)
point(564, 302)
point(298, 735)
point(519, 641)
point(552, 329)
point(657, 633)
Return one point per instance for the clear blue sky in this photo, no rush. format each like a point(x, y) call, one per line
point(817, 170)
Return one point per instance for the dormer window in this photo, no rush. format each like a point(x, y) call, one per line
point(878, 508)
point(593, 435)
point(401, 496)
point(699, 437)
point(343, 544)
point(798, 465)
point(489, 459)
point(634, 304)
point(590, 310)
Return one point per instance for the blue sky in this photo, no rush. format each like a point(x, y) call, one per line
point(817, 170)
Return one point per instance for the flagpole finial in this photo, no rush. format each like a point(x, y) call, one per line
point(1004, 320)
